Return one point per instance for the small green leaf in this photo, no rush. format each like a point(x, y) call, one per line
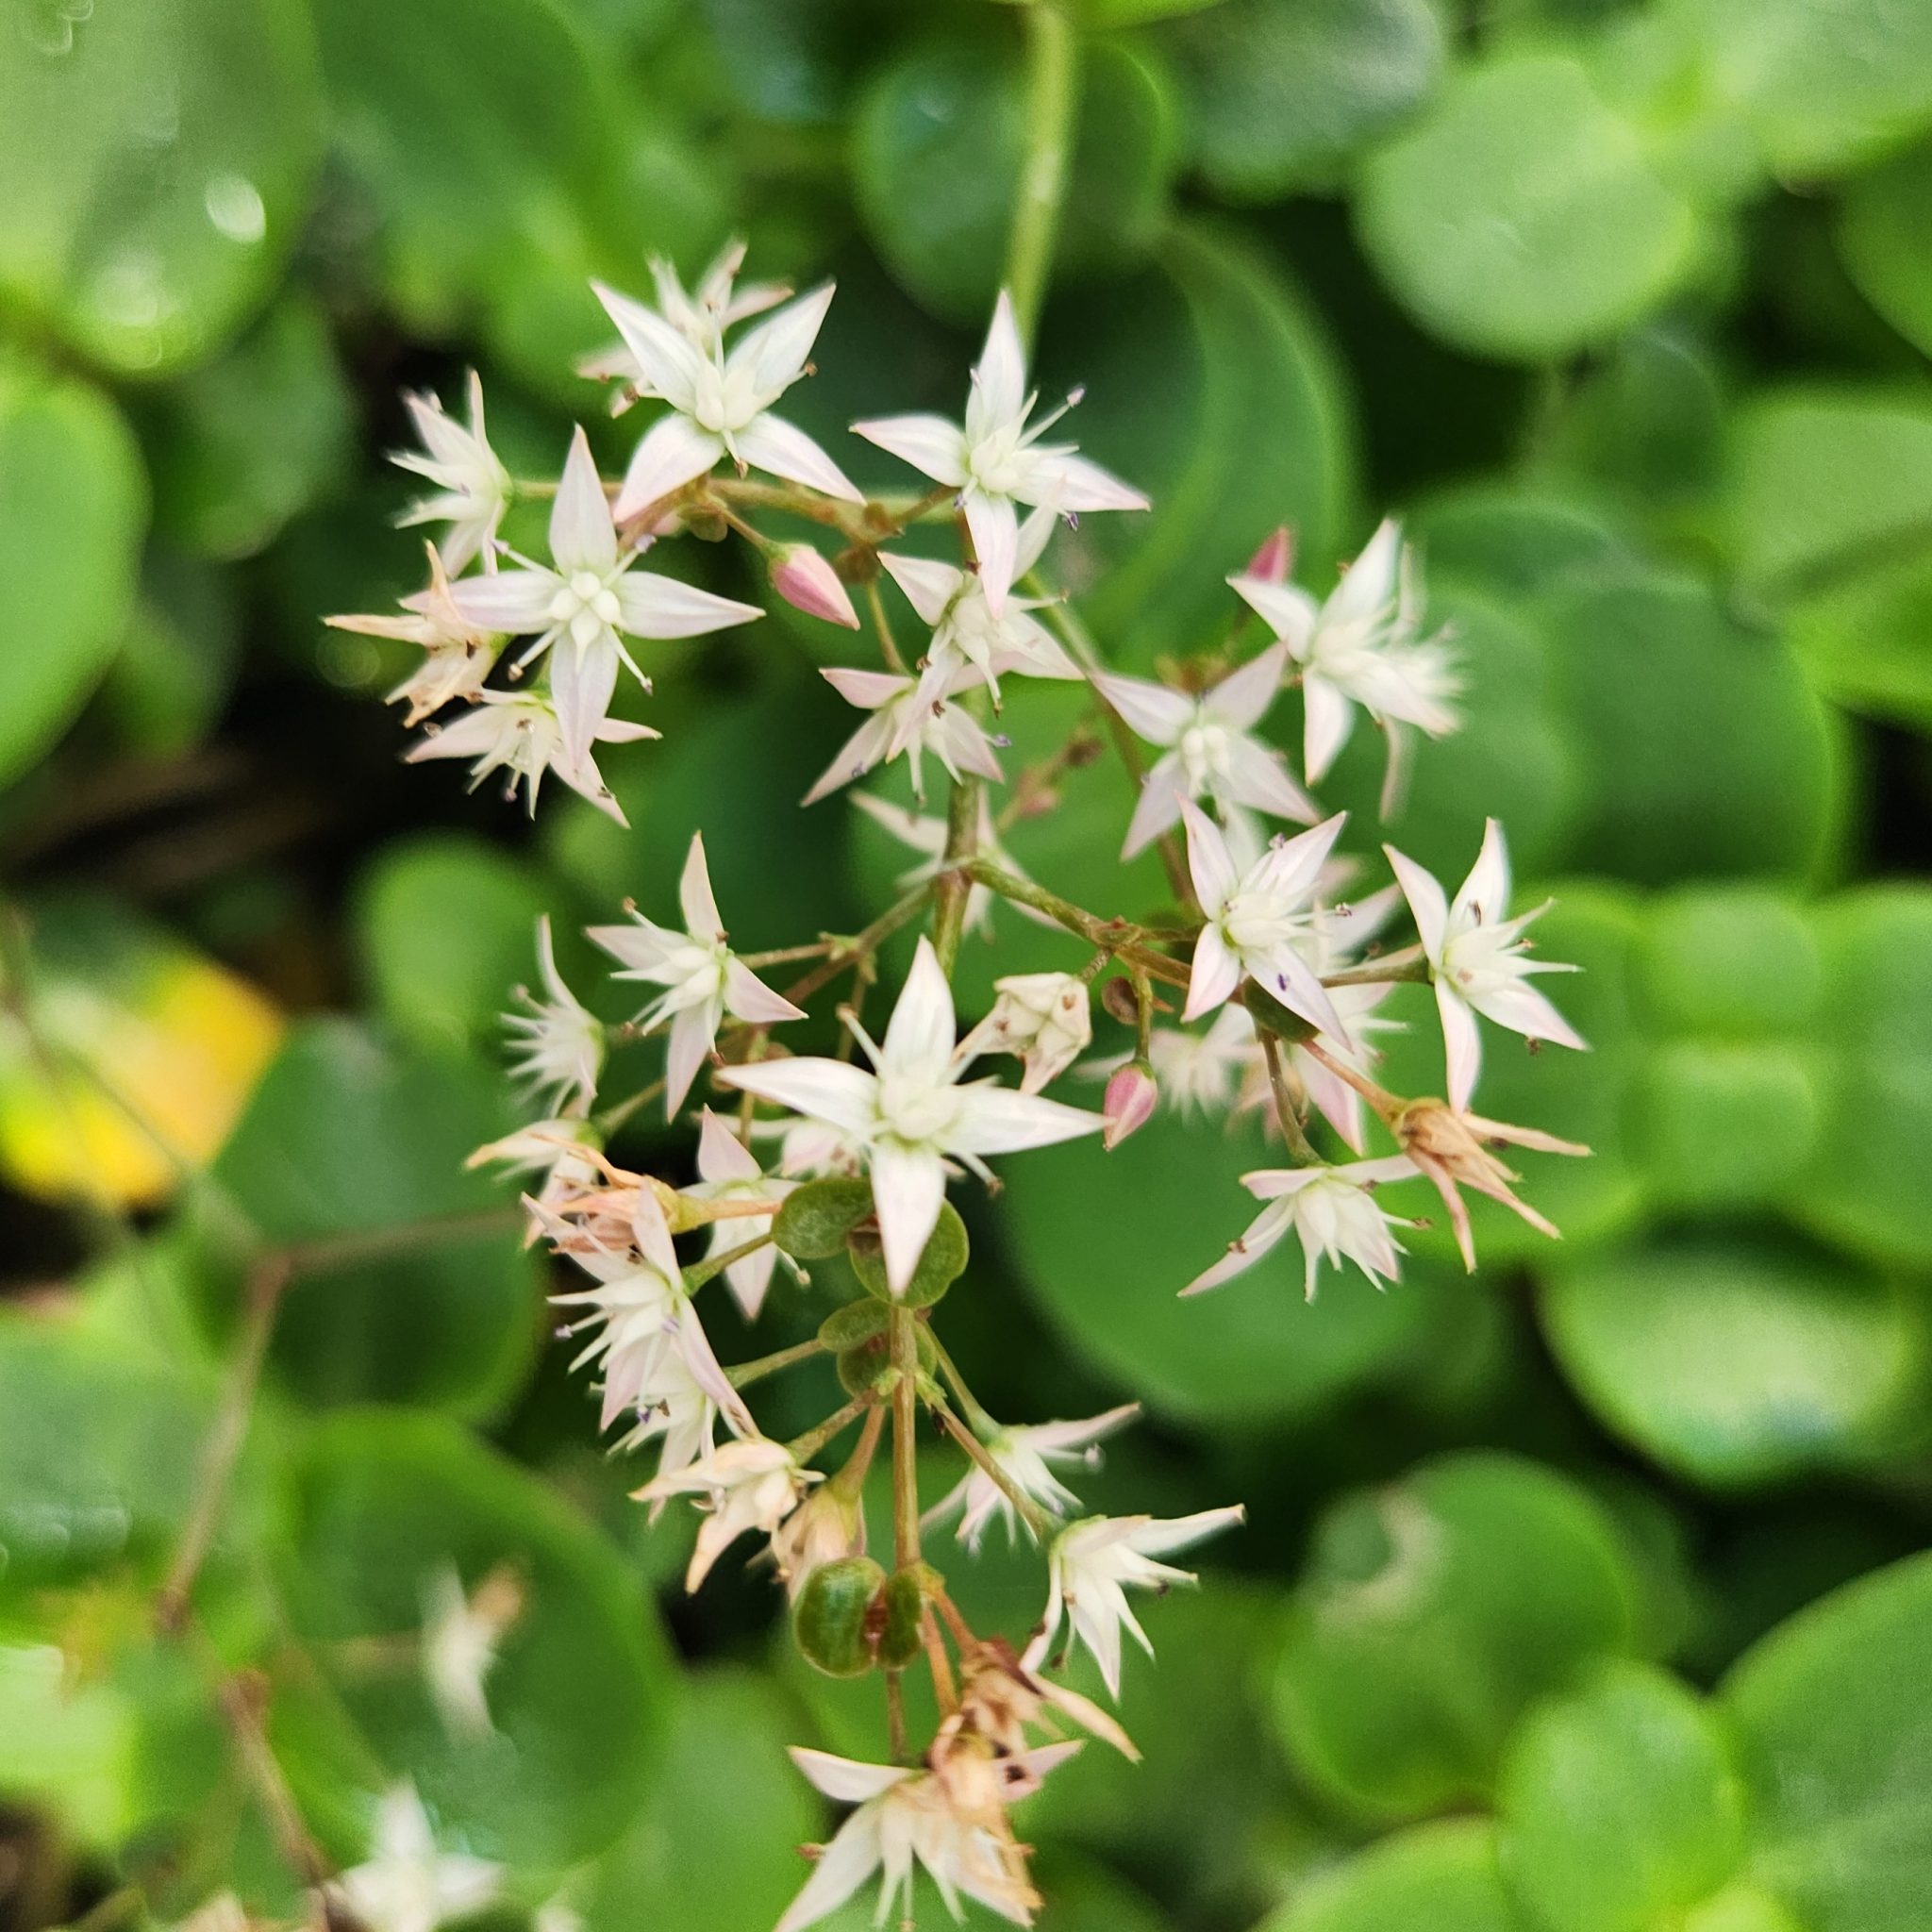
point(1835, 1739)
point(1886, 249)
point(1738, 1362)
point(1431, 1615)
point(1440, 1876)
point(1281, 94)
point(940, 144)
point(346, 1133)
point(1520, 218)
point(445, 923)
point(941, 1263)
point(73, 507)
point(1731, 961)
point(1620, 1804)
point(815, 1220)
point(158, 161)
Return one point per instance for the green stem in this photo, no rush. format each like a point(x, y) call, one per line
point(802, 1448)
point(714, 1265)
point(904, 1440)
point(977, 1416)
point(1119, 937)
point(1052, 97)
point(1036, 1520)
point(1409, 966)
point(951, 888)
point(764, 1365)
point(1285, 1112)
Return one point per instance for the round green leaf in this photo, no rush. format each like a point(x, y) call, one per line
point(816, 1219)
point(446, 924)
point(100, 1452)
point(1734, 961)
point(1150, 1216)
point(1518, 541)
point(1649, 423)
point(1432, 1614)
point(1866, 1187)
point(941, 1261)
point(1826, 88)
point(1440, 1876)
point(71, 511)
point(386, 1508)
point(938, 149)
point(1520, 218)
point(1825, 481)
point(1887, 251)
point(158, 162)
point(1727, 1126)
point(348, 1132)
point(1738, 1362)
point(1280, 94)
point(1703, 750)
point(1862, 640)
point(1620, 1804)
point(1835, 1737)
point(242, 445)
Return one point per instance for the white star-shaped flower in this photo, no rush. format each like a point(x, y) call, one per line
point(1260, 923)
point(1091, 1567)
point(751, 1484)
point(907, 1816)
point(472, 487)
point(721, 402)
point(1029, 1454)
point(1360, 648)
point(1045, 1019)
point(967, 637)
point(702, 979)
point(1333, 1213)
point(458, 655)
point(995, 461)
point(1211, 751)
point(405, 1884)
point(1480, 960)
point(701, 316)
point(912, 1111)
point(557, 1044)
point(903, 723)
point(577, 605)
point(519, 732)
point(729, 1171)
point(462, 1633)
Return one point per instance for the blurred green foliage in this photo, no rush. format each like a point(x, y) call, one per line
point(1577, 1597)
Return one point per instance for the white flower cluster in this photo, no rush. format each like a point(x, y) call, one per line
point(1278, 968)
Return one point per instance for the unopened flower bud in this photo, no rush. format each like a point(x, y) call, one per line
point(808, 583)
point(1273, 561)
point(828, 1527)
point(1131, 1097)
point(1044, 1018)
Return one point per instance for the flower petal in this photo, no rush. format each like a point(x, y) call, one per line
point(722, 1155)
point(671, 366)
point(673, 450)
point(693, 1033)
point(1462, 1045)
point(1328, 715)
point(929, 584)
point(772, 355)
point(995, 527)
point(1243, 697)
point(908, 1184)
point(651, 606)
point(1425, 901)
point(922, 1030)
point(695, 899)
point(1485, 893)
point(999, 377)
point(929, 443)
point(1215, 975)
point(1154, 712)
point(1208, 863)
point(512, 600)
point(747, 997)
point(1158, 807)
point(820, 1089)
point(770, 443)
point(997, 1120)
point(582, 536)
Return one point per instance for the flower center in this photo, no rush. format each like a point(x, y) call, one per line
point(915, 1111)
point(993, 463)
point(1205, 754)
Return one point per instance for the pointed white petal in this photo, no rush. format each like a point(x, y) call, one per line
point(772, 355)
point(843, 1866)
point(722, 1155)
point(1208, 863)
point(693, 1033)
point(922, 1030)
point(582, 684)
point(1462, 1045)
point(1525, 1010)
point(582, 536)
point(1215, 975)
point(512, 600)
point(1425, 901)
point(1486, 891)
point(1287, 610)
point(997, 1120)
point(821, 1090)
point(1243, 697)
point(1158, 807)
point(1263, 1232)
point(845, 1779)
point(672, 367)
point(929, 584)
point(672, 451)
point(770, 443)
point(1369, 582)
point(650, 605)
point(907, 1185)
point(1258, 779)
point(1071, 484)
point(1154, 712)
point(747, 997)
point(695, 899)
point(929, 443)
point(1327, 716)
point(995, 527)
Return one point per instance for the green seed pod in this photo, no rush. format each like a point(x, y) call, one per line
point(899, 1640)
point(833, 1621)
point(939, 1266)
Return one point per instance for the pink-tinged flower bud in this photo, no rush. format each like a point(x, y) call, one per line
point(1270, 563)
point(1131, 1098)
point(808, 583)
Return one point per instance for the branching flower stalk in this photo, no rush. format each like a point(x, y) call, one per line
point(841, 1164)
